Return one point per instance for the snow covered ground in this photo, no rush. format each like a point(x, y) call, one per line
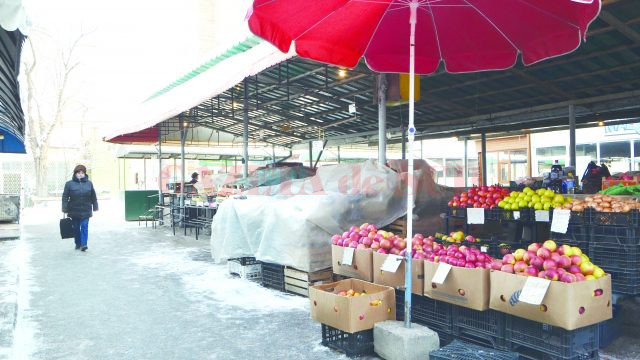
point(138, 293)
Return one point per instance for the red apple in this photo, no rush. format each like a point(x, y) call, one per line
point(531, 271)
point(507, 268)
point(509, 259)
point(564, 261)
point(386, 244)
point(551, 274)
point(576, 260)
point(555, 256)
point(375, 245)
point(537, 262)
point(580, 277)
point(575, 269)
point(549, 264)
point(544, 253)
point(534, 247)
point(568, 278)
point(520, 266)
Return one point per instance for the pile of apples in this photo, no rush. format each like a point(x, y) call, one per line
point(486, 197)
point(368, 236)
point(350, 293)
point(457, 237)
point(453, 254)
point(549, 261)
point(541, 199)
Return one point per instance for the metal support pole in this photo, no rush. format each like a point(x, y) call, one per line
point(466, 163)
point(572, 136)
point(273, 150)
point(413, 6)
point(339, 155)
point(382, 121)
point(183, 136)
point(484, 158)
point(160, 200)
point(403, 129)
point(245, 132)
point(310, 154)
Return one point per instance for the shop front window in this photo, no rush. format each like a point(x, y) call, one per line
point(548, 155)
point(616, 155)
point(492, 167)
point(455, 172)
point(519, 168)
point(636, 151)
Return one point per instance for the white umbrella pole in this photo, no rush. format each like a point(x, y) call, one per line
point(412, 130)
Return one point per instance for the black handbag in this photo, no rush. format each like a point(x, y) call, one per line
point(66, 228)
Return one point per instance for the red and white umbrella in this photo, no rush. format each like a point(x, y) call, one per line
point(415, 36)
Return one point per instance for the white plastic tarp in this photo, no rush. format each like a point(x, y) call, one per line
point(291, 223)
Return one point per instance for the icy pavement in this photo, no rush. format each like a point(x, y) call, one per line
point(140, 293)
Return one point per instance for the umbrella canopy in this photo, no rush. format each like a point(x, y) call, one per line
point(466, 35)
point(414, 36)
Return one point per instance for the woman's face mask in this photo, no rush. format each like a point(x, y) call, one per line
point(80, 175)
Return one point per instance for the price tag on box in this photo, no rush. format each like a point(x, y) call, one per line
point(347, 256)
point(441, 273)
point(542, 215)
point(534, 290)
point(391, 263)
point(560, 221)
point(475, 216)
point(516, 215)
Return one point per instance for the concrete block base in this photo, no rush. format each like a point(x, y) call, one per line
point(392, 341)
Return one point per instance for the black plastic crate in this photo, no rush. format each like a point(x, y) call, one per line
point(460, 350)
point(273, 276)
point(610, 330)
point(483, 327)
point(434, 314)
point(457, 212)
point(618, 235)
point(624, 281)
point(576, 235)
point(621, 257)
point(244, 261)
point(351, 344)
point(630, 219)
point(552, 341)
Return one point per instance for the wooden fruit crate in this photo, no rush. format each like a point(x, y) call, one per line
point(398, 227)
point(298, 282)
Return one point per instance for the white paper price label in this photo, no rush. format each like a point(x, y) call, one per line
point(187, 202)
point(199, 203)
point(483, 249)
point(542, 215)
point(347, 256)
point(441, 273)
point(391, 263)
point(516, 215)
point(560, 221)
point(475, 216)
point(534, 290)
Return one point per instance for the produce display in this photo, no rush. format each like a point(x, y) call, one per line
point(462, 256)
point(486, 197)
point(368, 236)
point(457, 237)
point(603, 203)
point(549, 261)
point(350, 293)
point(620, 189)
point(541, 199)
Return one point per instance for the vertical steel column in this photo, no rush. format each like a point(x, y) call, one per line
point(183, 136)
point(572, 136)
point(273, 150)
point(484, 158)
point(245, 132)
point(382, 121)
point(310, 154)
point(339, 154)
point(466, 163)
point(144, 169)
point(404, 144)
point(160, 200)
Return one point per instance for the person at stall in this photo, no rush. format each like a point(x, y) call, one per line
point(79, 201)
point(197, 186)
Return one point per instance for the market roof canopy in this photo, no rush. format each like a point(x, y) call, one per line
point(12, 124)
point(300, 100)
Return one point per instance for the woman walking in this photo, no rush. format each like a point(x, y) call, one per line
point(79, 200)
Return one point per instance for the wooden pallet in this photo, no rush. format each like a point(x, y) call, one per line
point(298, 282)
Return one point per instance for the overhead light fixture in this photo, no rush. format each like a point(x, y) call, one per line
point(1, 136)
point(600, 122)
point(342, 73)
point(185, 124)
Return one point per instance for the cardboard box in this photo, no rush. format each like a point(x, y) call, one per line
point(361, 267)
point(465, 287)
point(563, 302)
point(396, 280)
point(352, 314)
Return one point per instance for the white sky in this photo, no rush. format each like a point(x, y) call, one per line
point(135, 47)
